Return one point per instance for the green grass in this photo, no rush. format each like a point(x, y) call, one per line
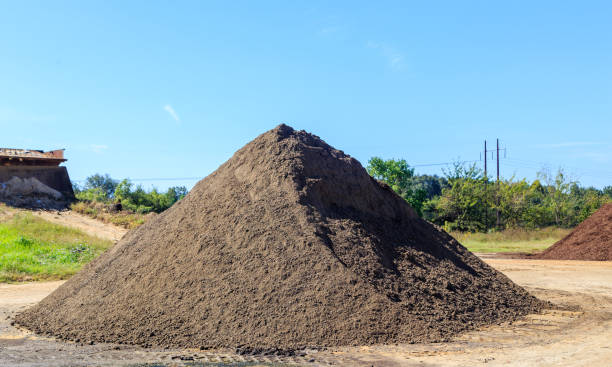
point(511, 240)
point(34, 249)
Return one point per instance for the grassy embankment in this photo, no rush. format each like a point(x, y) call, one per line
point(511, 240)
point(103, 212)
point(34, 249)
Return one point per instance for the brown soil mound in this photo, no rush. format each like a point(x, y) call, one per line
point(289, 244)
point(591, 240)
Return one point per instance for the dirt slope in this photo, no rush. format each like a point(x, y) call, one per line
point(288, 244)
point(591, 240)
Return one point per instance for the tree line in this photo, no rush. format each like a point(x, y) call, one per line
point(464, 199)
point(461, 199)
point(104, 189)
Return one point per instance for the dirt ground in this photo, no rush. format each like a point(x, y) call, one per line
point(554, 338)
point(88, 225)
point(580, 337)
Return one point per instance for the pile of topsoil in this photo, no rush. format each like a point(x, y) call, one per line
point(288, 244)
point(591, 240)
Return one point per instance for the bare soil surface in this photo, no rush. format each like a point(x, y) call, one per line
point(88, 225)
point(578, 336)
point(289, 245)
point(590, 240)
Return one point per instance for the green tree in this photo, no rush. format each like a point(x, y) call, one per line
point(431, 184)
point(607, 191)
point(465, 202)
point(558, 198)
point(102, 182)
point(398, 175)
point(138, 200)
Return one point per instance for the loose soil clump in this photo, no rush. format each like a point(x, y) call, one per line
point(591, 240)
point(289, 244)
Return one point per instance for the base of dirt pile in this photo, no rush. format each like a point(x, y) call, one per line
point(289, 244)
point(591, 240)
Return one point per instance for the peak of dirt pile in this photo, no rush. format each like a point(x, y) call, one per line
point(288, 244)
point(590, 240)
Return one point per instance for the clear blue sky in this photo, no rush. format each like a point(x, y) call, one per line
point(161, 89)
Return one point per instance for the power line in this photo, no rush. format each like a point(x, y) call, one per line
point(155, 179)
point(442, 164)
point(199, 178)
point(511, 162)
point(521, 163)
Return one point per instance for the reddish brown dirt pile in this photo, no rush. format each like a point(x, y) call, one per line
point(288, 244)
point(591, 240)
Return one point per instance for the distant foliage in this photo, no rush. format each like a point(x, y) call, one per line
point(104, 183)
point(608, 191)
point(141, 201)
point(465, 200)
point(398, 175)
point(431, 184)
point(97, 188)
point(104, 189)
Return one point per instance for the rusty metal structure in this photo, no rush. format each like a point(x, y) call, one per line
point(27, 157)
point(44, 166)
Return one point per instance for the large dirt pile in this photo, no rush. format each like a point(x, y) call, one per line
point(591, 240)
point(288, 244)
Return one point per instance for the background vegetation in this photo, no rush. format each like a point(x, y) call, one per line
point(107, 213)
point(104, 189)
point(120, 202)
point(511, 239)
point(464, 200)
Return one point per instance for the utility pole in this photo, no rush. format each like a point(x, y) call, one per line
point(486, 221)
point(497, 193)
point(485, 159)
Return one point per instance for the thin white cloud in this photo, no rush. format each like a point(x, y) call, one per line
point(337, 31)
point(328, 30)
point(12, 115)
point(333, 32)
point(172, 113)
point(570, 144)
point(597, 156)
point(395, 59)
point(98, 148)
